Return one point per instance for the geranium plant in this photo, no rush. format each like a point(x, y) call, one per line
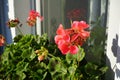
point(34, 57)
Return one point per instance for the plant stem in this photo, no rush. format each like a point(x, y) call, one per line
point(54, 57)
point(19, 30)
point(51, 55)
point(71, 21)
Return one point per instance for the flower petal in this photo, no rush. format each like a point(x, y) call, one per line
point(58, 38)
point(84, 34)
point(83, 24)
point(64, 48)
point(75, 24)
point(73, 49)
point(74, 37)
point(66, 38)
point(79, 25)
point(60, 30)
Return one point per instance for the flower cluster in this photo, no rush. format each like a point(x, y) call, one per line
point(42, 53)
point(31, 20)
point(76, 13)
point(68, 40)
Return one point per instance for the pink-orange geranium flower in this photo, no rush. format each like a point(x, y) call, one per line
point(31, 20)
point(2, 40)
point(62, 39)
point(68, 40)
point(76, 13)
point(79, 25)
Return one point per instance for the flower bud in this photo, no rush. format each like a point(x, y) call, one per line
point(41, 57)
point(2, 40)
point(13, 23)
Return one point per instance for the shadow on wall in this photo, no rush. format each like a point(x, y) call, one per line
point(116, 52)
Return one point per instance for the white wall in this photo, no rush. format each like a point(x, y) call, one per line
point(113, 36)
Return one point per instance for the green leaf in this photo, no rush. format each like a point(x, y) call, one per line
point(43, 65)
point(69, 58)
point(92, 70)
point(21, 75)
point(22, 66)
point(44, 76)
point(58, 66)
point(17, 38)
point(33, 55)
point(72, 69)
point(103, 69)
point(51, 65)
point(80, 55)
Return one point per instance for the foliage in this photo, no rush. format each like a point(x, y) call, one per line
point(34, 57)
point(19, 60)
point(95, 51)
point(96, 43)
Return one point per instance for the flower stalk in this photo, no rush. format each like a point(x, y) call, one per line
point(19, 30)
